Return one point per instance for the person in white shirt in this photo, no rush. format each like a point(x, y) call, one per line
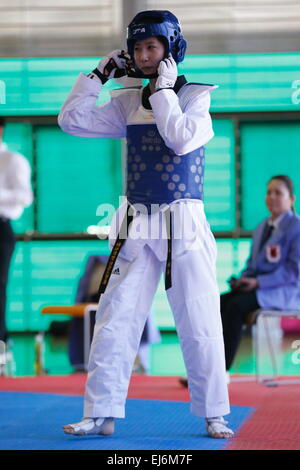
point(15, 195)
point(167, 123)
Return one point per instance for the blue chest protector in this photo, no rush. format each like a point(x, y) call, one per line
point(155, 174)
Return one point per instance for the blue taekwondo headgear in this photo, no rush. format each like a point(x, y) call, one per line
point(160, 23)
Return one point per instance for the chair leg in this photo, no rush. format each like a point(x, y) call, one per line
point(273, 380)
point(39, 349)
point(256, 350)
point(269, 381)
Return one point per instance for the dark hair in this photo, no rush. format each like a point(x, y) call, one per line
point(164, 42)
point(2, 121)
point(288, 183)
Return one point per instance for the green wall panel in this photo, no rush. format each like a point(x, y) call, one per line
point(45, 273)
point(268, 149)
point(219, 178)
point(74, 176)
point(247, 82)
point(18, 137)
point(231, 260)
point(40, 85)
point(17, 310)
point(2, 92)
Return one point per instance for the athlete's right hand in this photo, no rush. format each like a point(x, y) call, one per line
point(114, 64)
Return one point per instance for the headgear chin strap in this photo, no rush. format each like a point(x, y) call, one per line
point(150, 23)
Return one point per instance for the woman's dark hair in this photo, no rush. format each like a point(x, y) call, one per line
point(288, 183)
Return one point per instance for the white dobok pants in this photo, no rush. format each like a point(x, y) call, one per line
point(194, 299)
point(124, 307)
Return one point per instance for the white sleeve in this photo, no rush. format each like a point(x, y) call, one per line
point(81, 116)
point(183, 130)
point(18, 191)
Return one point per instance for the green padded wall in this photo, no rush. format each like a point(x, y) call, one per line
point(2, 92)
point(248, 82)
point(18, 136)
point(45, 273)
point(40, 86)
point(219, 178)
point(268, 149)
point(74, 176)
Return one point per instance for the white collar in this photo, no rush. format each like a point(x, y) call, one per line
point(276, 221)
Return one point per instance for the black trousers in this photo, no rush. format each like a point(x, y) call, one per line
point(7, 244)
point(235, 307)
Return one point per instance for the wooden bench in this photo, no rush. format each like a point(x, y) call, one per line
point(84, 311)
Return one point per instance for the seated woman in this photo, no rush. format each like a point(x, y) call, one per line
point(272, 275)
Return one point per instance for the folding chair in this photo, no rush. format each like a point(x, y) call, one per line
point(260, 330)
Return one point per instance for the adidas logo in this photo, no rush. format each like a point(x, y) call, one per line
point(116, 271)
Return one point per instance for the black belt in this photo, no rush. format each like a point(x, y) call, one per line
point(168, 278)
point(120, 242)
point(115, 251)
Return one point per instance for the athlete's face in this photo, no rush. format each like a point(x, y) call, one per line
point(148, 53)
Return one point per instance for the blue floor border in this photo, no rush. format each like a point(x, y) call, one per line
point(33, 421)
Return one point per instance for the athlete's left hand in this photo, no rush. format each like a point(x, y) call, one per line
point(167, 73)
